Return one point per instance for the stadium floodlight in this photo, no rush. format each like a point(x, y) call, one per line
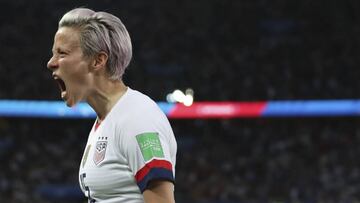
point(177, 95)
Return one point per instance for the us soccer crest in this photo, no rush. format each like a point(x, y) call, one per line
point(100, 150)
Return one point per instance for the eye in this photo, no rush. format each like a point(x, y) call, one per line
point(62, 53)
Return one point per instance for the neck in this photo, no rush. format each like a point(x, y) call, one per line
point(105, 96)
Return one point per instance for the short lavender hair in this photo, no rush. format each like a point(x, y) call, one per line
point(101, 31)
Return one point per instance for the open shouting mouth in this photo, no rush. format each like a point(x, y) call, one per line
point(61, 85)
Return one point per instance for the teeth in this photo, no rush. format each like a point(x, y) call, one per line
point(63, 94)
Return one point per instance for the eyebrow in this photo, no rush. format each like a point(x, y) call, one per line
point(60, 49)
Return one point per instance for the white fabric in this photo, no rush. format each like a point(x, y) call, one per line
point(112, 180)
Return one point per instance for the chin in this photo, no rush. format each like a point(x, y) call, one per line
point(70, 103)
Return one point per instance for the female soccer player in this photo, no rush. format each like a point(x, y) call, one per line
point(131, 150)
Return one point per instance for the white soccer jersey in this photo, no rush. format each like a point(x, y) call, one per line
point(133, 145)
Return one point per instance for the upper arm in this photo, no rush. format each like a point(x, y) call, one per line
point(150, 155)
point(159, 191)
point(149, 146)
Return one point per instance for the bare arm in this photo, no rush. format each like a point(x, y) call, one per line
point(159, 191)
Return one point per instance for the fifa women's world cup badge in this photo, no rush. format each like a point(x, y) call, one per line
point(100, 150)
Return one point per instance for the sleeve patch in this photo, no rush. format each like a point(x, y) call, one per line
point(150, 146)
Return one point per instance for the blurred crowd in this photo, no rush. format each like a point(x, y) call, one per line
point(278, 160)
point(223, 50)
point(308, 160)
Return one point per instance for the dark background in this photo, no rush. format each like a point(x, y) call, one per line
point(246, 50)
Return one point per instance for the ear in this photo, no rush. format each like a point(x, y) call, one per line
point(100, 61)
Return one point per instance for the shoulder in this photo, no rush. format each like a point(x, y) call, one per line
point(142, 100)
point(141, 106)
point(138, 112)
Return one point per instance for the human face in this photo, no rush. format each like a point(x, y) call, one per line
point(70, 68)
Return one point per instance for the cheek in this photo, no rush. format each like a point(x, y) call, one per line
point(79, 76)
point(74, 69)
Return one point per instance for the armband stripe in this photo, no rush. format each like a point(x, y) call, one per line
point(155, 169)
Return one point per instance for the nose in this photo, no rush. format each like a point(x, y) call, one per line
point(52, 63)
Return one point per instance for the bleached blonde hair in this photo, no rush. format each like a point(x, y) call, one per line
point(102, 31)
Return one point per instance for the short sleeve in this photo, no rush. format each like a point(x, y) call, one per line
point(149, 155)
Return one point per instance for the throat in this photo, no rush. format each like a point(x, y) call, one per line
point(103, 102)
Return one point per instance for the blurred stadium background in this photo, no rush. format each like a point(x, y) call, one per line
point(246, 50)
